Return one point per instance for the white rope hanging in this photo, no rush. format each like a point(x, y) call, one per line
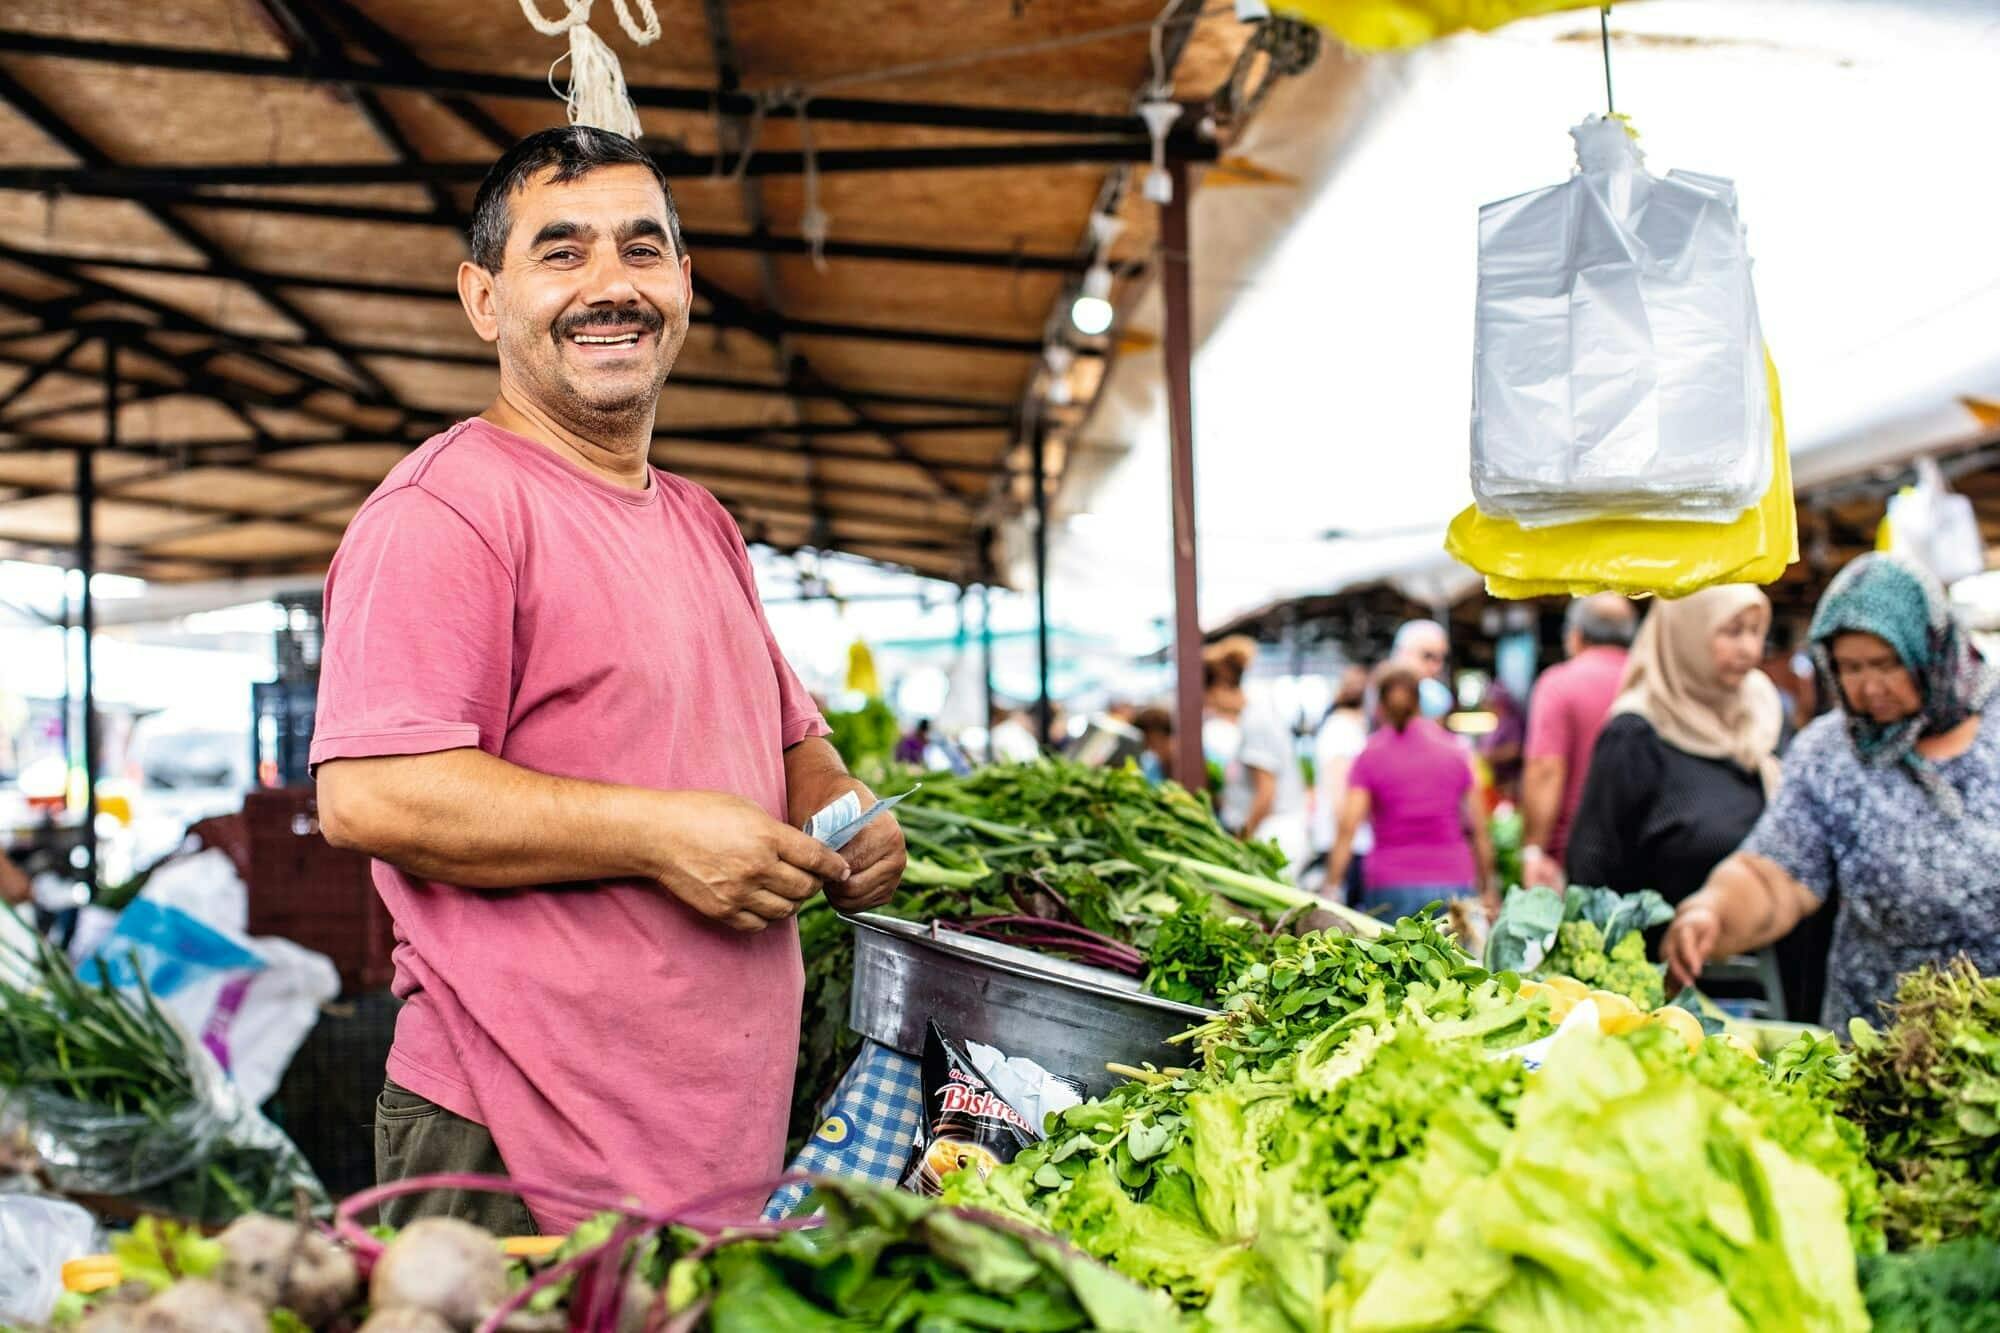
point(596, 94)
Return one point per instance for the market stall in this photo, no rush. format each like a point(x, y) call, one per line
point(1098, 1064)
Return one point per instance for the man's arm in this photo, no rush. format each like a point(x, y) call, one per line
point(1354, 809)
point(814, 776)
point(1263, 795)
point(1481, 836)
point(465, 817)
point(1542, 781)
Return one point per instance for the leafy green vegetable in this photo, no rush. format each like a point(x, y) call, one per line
point(1236, 1187)
point(1624, 1196)
point(1099, 848)
point(1594, 935)
point(890, 1261)
point(1197, 951)
point(1327, 980)
point(1951, 1288)
point(158, 1252)
point(866, 737)
point(1927, 1094)
point(110, 1080)
point(1788, 1099)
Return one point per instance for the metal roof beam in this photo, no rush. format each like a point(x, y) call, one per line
point(178, 183)
point(223, 451)
point(307, 34)
point(432, 79)
point(44, 118)
point(40, 371)
point(1021, 261)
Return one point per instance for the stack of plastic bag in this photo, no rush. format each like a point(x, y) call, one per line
point(1626, 430)
point(1388, 25)
point(1934, 526)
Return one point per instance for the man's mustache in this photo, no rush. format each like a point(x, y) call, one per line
point(647, 318)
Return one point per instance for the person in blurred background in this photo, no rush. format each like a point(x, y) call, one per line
point(911, 749)
point(1501, 747)
point(1566, 711)
point(1425, 648)
point(1689, 756)
point(1012, 741)
point(1263, 786)
point(1156, 730)
point(1413, 784)
point(1340, 739)
point(1894, 797)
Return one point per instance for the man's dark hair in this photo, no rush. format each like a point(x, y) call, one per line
point(563, 154)
point(1154, 722)
point(1605, 620)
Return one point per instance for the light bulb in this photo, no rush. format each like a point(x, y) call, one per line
point(1059, 393)
point(1060, 357)
point(1092, 315)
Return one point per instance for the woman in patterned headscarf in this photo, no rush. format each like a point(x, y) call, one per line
point(1894, 798)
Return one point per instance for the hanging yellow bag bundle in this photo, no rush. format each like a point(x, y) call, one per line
point(1388, 25)
point(1638, 556)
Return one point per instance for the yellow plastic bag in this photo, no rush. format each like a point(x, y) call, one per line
point(1388, 25)
point(861, 670)
point(1636, 556)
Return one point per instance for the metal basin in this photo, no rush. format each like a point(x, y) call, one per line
point(1068, 1018)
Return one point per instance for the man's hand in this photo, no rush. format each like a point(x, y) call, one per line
point(876, 857)
point(814, 778)
point(1540, 870)
point(728, 860)
point(875, 860)
point(1690, 942)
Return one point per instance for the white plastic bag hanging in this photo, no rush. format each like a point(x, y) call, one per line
point(1935, 527)
point(1618, 360)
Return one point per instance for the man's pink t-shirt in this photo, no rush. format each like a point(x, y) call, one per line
point(492, 594)
point(1416, 781)
point(1566, 711)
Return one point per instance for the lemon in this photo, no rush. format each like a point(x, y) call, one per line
point(1737, 1042)
point(1681, 1021)
point(1569, 986)
point(1615, 1013)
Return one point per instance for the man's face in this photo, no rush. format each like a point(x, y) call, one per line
point(590, 306)
point(1426, 655)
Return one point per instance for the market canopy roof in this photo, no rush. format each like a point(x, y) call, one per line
point(261, 202)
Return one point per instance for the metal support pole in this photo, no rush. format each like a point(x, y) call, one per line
point(86, 560)
point(1044, 713)
point(986, 659)
point(1188, 765)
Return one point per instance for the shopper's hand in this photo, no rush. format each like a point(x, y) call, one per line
point(875, 859)
point(1490, 901)
point(1540, 870)
point(728, 860)
point(1690, 941)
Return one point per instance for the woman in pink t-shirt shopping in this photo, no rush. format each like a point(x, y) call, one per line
point(1413, 785)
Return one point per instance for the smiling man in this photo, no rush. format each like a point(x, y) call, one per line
point(552, 711)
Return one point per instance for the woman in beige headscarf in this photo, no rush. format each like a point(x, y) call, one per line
point(1684, 766)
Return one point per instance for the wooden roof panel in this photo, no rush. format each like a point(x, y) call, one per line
point(354, 462)
point(190, 23)
point(246, 543)
point(55, 469)
point(327, 368)
point(52, 518)
point(237, 488)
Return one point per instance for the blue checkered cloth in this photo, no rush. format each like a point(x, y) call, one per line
point(870, 1124)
